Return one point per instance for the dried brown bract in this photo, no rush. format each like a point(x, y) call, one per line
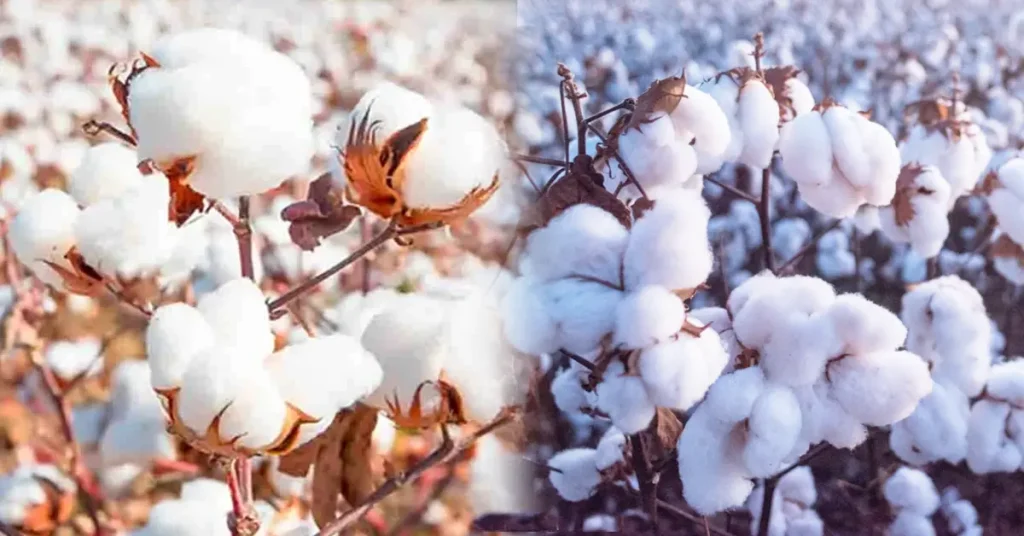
point(906, 189)
point(662, 97)
point(322, 214)
point(582, 184)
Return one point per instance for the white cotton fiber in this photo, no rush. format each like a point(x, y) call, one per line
point(44, 230)
point(574, 475)
point(584, 240)
point(583, 311)
point(647, 316)
point(669, 246)
point(624, 399)
point(678, 373)
point(880, 388)
point(107, 171)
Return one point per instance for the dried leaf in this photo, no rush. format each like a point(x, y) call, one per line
point(184, 200)
point(1006, 247)
point(776, 78)
point(662, 97)
point(81, 278)
point(641, 206)
point(665, 430)
point(936, 115)
point(449, 408)
point(343, 462)
point(906, 188)
point(322, 214)
point(582, 184)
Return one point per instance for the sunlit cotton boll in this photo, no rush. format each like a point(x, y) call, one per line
point(243, 110)
point(677, 373)
point(107, 171)
point(1006, 199)
point(624, 399)
point(44, 231)
point(918, 215)
point(655, 154)
point(699, 119)
point(584, 241)
point(669, 246)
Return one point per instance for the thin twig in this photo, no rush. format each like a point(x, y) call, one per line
point(645, 477)
point(811, 244)
point(539, 160)
point(584, 362)
point(732, 189)
point(93, 127)
point(675, 510)
point(413, 518)
point(395, 483)
point(764, 212)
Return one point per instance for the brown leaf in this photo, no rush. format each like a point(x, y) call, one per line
point(906, 188)
point(936, 115)
point(322, 214)
point(81, 278)
point(1005, 247)
point(988, 184)
point(184, 200)
point(583, 184)
point(665, 430)
point(776, 78)
point(343, 463)
point(662, 97)
point(641, 206)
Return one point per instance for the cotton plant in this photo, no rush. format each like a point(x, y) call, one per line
point(578, 473)
point(226, 389)
point(912, 496)
point(811, 367)
point(36, 498)
point(994, 438)
point(792, 510)
point(839, 159)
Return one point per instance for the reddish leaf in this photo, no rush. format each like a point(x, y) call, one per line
point(322, 214)
point(344, 462)
point(184, 200)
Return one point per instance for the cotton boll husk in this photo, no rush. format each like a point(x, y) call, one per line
point(774, 426)
point(584, 240)
point(678, 373)
point(759, 121)
point(408, 339)
point(936, 430)
point(806, 150)
point(526, 320)
point(880, 388)
point(864, 326)
point(107, 171)
point(669, 246)
point(176, 334)
point(911, 524)
point(624, 399)
point(130, 235)
point(567, 390)
point(256, 415)
point(44, 230)
point(989, 450)
point(911, 490)
point(459, 151)
point(647, 316)
point(237, 312)
point(700, 115)
point(394, 106)
point(583, 311)
point(576, 475)
point(731, 398)
point(710, 467)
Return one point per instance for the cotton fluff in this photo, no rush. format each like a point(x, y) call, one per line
point(129, 236)
point(243, 110)
point(568, 392)
point(913, 497)
point(936, 430)
point(574, 473)
point(880, 388)
point(583, 241)
point(753, 116)
point(677, 373)
point(656, 154)
point(792, 507)
point(840, 160)
point(961, 156)
point(106, 171)
point(43, 231)
point(1006, 198)
point(961, 516)
point(582, 311)
point(648, 316)
point(623, 397)
point(668, 245)
point(69, 359)
point(23, 497)
point(995, 429)
point(701, 123)
point(949, 328)
point(921, 219)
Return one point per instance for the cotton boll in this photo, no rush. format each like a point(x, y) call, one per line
point(759, 121)
point(567, 390)
point(989, 449)
point(725, 92)
point(936, 430)
point(864, 326)
point(911, 490)
point(43, 231)
point(848, 147)
point(806, 150)
point(500, 479)
point(700, 115)
point(710, 467)
point(584, 240)
point(526, 320)
point(774, 425)
point(583, 311)
point(880, 388)
point(68, 359)
point(717, 318)
point(213, 380)
point(826, 420)
point(669, 246)
point(624, 399)
point(176, 334)
point(911, 524)
point(647, 316)
point(927, 229)
point(130, 235)
point(575, 477)
point(799, 347)
point(837, 198)
point(394, 106)
point(256, 417)
point(1006, 199)
point(408, 339)
point(883, 160)
point(655, 155)
point(107, 171)
point(678, 373)
point(610, 449)
point(237, 312)
point(731, 398)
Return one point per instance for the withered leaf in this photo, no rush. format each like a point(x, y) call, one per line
point(641, 206)
point(1004, 246)
point(906, 188)
point(662, 97)
point(81, 278)
point(665, 430)
point(988, 184)
point(776, 78)
point(580, 185)
point(344, 462)
point(322, 214)
point(936, 115)
point(184, 200)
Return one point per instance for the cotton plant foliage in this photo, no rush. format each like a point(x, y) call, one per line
point(225, 388)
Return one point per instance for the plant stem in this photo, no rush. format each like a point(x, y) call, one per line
point(811, 244)
point(539, 160)
point(766, 506)
point(732, 190)
point(243, 232)
point(93, 127)
point(763, 210)
point(645, 477)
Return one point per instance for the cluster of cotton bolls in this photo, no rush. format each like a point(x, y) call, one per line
point(1004, 191)
point(792, 509)
point(948, 327)
point(913, 498)
point(811, 366)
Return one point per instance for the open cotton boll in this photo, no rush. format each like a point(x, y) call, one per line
point(911, 524)
point(22, 493)
point(848, 147)
point(107, 171)
point(1006, 198)
point(526, 321)
point(879, 388)
point(710, 464)
point(922, 219)
point(864, 326)
point(718, 319)
point(647, 316)
point(961, 516)
point(883, 159)
point(806, 149)
point(961, 159)
point(582, 311)
point(669, 246)
point(237, 312)
point(773, 430)
point(129, 236)
point(825, 419)
point(176, 334)
point(936, 430)
point(791, 514)
point(624, 399)
point(678, 373)
point(213, 380)
point(68, 359)
point(797, 350)
point(731, 398)
point(911, 490)
point(245, 114)
point(699, 115)
point(256, 417)
point(394, 106)
point(759, 121)
point(43, 231)
point(584, 240)
point(575, 476)
point(568, 392)
point(611, 449)
point(989, 447)
point(655, 154)
point(408, 339)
